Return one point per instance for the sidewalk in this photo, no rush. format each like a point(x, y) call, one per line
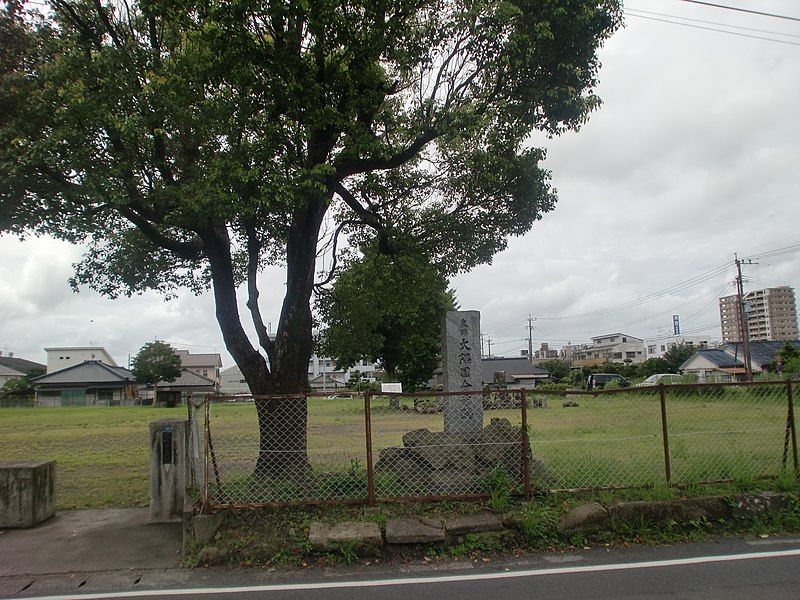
point(118, 541)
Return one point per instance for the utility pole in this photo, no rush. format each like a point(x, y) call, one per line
point(744, 329)
point(489, 344)
point(530, 338)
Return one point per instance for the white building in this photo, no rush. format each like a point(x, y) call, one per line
point(657, 347)
point(609, 348)
point(62, 357)
point(232, 382)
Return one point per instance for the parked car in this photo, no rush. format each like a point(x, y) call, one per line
point(599, 380)
point(665, 378)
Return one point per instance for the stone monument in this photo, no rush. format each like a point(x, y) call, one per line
point(461, 365)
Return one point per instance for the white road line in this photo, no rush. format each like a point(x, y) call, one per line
point(287, 587)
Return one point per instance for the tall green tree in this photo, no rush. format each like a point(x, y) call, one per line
point(192, 143)
point(677, 355)
point(387, 309)
point(155, 362)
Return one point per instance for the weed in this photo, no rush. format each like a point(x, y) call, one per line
point(786, 482)
point(539, 522)
point(499, 485)
point(348, 552)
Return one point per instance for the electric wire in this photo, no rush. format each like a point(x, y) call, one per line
point(736, 33)
point(658, 14)
point(744, 10)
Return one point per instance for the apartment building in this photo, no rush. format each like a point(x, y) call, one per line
point(770, 315)
point(613, 348)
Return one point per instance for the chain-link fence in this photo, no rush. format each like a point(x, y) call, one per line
point(399, 446)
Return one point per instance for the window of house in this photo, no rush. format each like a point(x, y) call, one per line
point(663, 348)
point(205, 372)
point(624, 339)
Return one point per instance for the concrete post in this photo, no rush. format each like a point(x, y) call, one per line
point(169, 469)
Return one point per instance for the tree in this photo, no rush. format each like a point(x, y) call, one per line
point(653, 366)
point(190, 144)
point(558, 369)
point(156, 361)
point(677, 355)
point(387, 309)
point(789, 357)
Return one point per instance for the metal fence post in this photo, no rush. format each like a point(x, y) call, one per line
point(790, 402)
point(368, 435)
point(206, 436)
point(524, 445)
point(665, 432)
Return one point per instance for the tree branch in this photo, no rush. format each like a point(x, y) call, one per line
point(185, 250)
point(368, 217)
point(332, 272)
point(364, 165)
point(253, 251)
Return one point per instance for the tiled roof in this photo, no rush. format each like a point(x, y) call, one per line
point(21, 365)
point(520, 367)
point(4, 370)
point(762, 352)
point(188, 379)
point(719, 357)
point(199, 360)
point(87, 372)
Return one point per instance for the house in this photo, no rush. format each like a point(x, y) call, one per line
point(12, 367)
point(714, 365)
point(173, 393)
point(513, 373)
point(762, 353)
point(609, 348)
point(62, 357)
point(335, 380)
point(205, 365)
point(90, 383)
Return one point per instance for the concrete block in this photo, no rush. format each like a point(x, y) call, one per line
point(477, 523)
point(585, 518)
point(27, 493)
point(414, 531)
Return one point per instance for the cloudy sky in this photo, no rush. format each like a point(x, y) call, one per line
point(694, 156)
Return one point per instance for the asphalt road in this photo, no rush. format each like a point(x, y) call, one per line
point(722, 569)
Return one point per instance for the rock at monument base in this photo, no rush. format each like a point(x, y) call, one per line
point(446, 463)
point(585, 518)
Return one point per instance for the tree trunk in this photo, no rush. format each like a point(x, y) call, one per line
point(282, 421)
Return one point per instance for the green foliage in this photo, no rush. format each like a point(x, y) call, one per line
point(193, 145)
point(789, 359)
point(558, 369)
point(654, 366)
point(499, 487)
point(539, 522)
point(155, 362)
point(677, 355)
point(17, 388)
point(387, 309)
point(348, 552)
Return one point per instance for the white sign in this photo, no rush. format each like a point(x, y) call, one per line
point(392, 388)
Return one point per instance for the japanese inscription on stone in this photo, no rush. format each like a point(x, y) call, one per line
point(461, 362)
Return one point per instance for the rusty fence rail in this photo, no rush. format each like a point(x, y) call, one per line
point(367, 447)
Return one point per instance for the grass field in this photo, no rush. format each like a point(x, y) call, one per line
point(608, 440)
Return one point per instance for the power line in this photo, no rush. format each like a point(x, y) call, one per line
point(658, 14)
point(744, 10)
point(755, 37)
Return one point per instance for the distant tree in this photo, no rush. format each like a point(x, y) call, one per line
point(558, 369)
point(789, 357)
point(17, 388)
point(155, 362)
point(653, 366)
point(677, 355)
point(387, 309)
